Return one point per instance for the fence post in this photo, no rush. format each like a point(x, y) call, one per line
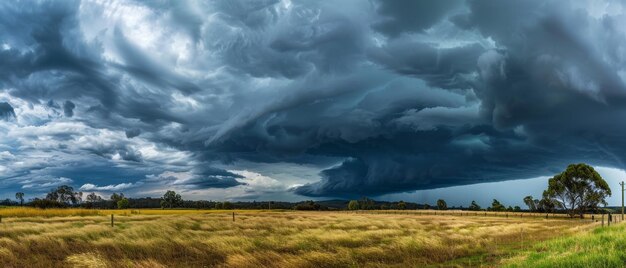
point(602, 219)
point(112, 220)
point(233, 216)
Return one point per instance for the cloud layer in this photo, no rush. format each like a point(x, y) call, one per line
point(373, 97)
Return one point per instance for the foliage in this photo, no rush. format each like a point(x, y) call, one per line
point(20, 196)
point(171, 200)
point(46, 203)
point(497, 206)
point(115, 197)
point(93, 197)
point(474, 206)
point(366, 204)
point(577, 189)
point(530, 202)
point(64, 194)
point(441, 204)
point(353, 205)
point(122, 204)
point(8, 202)
point(401, 205)
point(307, 205)
point(547, 204)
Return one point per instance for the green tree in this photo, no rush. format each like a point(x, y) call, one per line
point(122, 204)
point(401, 205)
point(577, 189)
point(530, 202)
point(307, 205)
point(517, 209)
point(64, 194)
point(227, 205)
point(366, 203)
point(115, 197)
point(353, 205)
point(93, 197)
point(20, 196)
point(547, 204)
point(219, 205)
point(441, 204)
point(474, 206)
point(171, 199)
point(497, 206)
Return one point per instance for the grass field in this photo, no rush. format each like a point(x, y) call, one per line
point(602, 247)
point(207, 238)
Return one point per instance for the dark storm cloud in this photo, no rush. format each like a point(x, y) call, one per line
point(381, 97)
point(411, 16)
point(6, 111)
point(68, 108)
point(209, 182)
point(441, 67)
point(202, 177)
point(131, 133)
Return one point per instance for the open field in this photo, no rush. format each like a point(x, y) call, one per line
point(191, 238)
point(602, 247)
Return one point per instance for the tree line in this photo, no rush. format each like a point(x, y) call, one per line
point(577, 190)
point(368, 204)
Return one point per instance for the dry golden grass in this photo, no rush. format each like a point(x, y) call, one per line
point(189, 238)
point(63, 212)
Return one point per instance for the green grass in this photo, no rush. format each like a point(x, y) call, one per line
point(602, 247)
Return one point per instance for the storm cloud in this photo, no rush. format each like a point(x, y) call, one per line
point(373, 97)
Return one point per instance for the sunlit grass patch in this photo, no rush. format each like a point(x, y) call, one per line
point(602, 247)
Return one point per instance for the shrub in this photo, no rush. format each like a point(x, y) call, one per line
point(47, 203)
point(122, 204)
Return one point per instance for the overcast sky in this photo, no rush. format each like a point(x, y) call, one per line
point(292, 100)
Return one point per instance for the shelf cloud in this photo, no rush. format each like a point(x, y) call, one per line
point(375, 97)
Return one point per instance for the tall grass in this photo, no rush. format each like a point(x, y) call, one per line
point(62, 212)
point(603, 247)
point(188, 238)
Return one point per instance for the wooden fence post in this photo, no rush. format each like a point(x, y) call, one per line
point(233, 216)
point(112, 220)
